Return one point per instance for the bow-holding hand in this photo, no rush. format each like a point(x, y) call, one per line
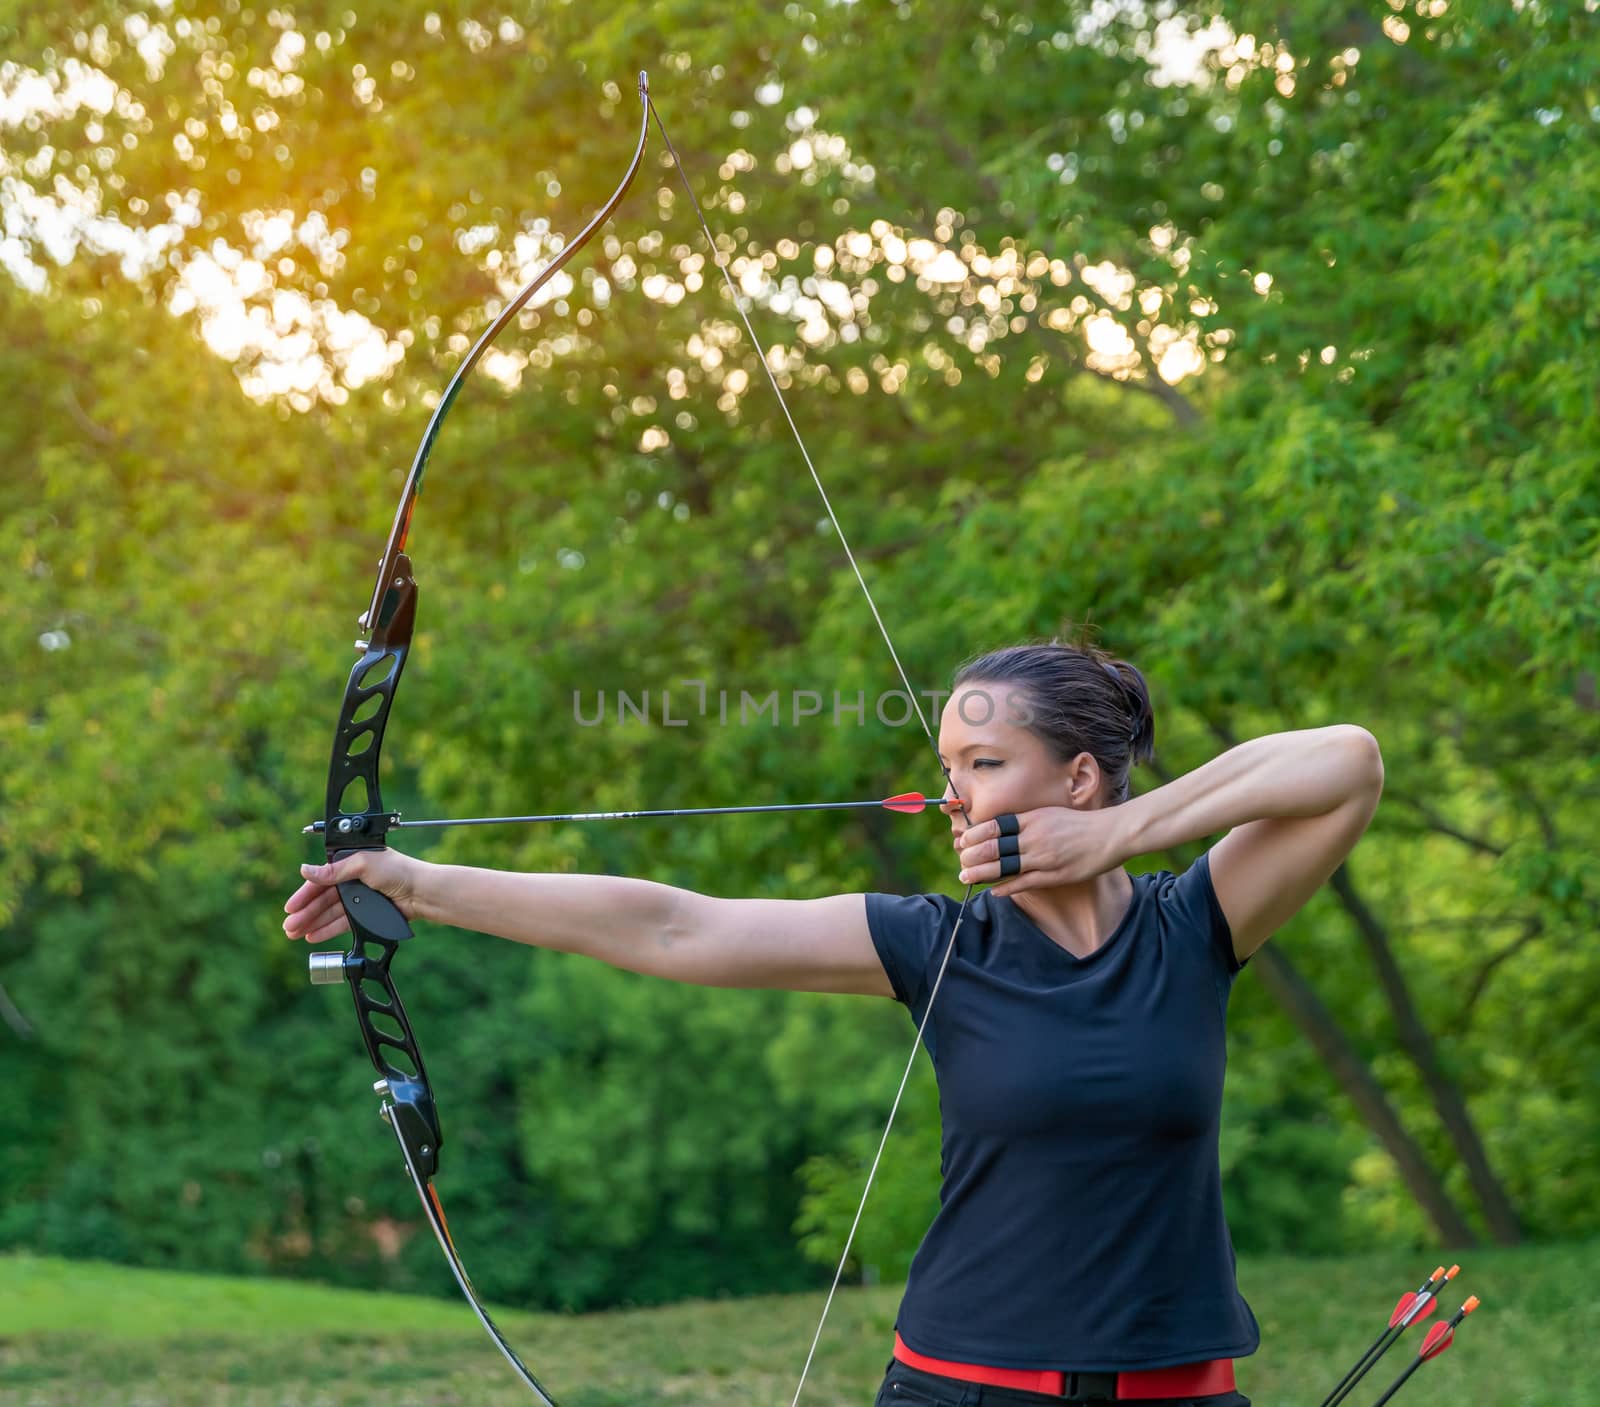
point(314, 910)
point(1040, 849)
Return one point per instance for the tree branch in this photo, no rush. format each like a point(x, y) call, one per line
point(14, 1018)
point(1437, 824)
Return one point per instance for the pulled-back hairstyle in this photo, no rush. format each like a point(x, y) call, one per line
point(1078, 699)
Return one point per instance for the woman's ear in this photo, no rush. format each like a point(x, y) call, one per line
point(1083, 779)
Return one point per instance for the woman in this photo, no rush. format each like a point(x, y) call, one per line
point(1079, 1252)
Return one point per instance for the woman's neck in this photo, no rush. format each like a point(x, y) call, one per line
point(1080, 917)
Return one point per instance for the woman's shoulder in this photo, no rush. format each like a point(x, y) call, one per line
point(917, 913)
point(1186, 901)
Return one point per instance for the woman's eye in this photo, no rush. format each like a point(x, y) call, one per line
point(987, 762)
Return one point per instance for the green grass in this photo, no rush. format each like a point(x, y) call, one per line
point(75, 1333)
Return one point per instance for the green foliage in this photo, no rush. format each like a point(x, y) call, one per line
point(1375, 502)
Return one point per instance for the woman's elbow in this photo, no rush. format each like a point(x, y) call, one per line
point(1366, 761)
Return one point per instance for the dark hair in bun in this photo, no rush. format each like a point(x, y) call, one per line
point(1080, 699)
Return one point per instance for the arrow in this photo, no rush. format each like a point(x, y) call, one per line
point(1409, 1308)
point(907, 803)
point(1439, 1338)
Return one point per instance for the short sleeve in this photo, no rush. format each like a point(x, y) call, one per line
point(1195, 903)
point(910, 931)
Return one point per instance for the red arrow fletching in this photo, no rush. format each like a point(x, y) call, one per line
point(1404, 1303)
point(909, 802)
point(1421, 1307)
point(1441, 1336)
point(1438, 1340)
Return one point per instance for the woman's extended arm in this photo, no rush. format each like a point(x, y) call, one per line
point(815, 945)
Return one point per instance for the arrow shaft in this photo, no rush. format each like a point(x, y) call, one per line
point(910, 803)
point(1341, 1389)
point(1365, 1364)
point(1400, 1382)
point(642, 815)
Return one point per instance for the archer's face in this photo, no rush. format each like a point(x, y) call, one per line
point(996, 764)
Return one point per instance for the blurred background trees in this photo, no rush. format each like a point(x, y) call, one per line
point(1262, 340)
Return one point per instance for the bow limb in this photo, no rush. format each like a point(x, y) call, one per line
point(355, 819)
point(413, 486)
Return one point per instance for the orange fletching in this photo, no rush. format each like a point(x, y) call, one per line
point(909, 802)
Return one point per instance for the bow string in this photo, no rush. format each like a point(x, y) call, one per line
point(721, 261)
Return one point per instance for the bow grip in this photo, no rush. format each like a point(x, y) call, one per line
point(372, 915)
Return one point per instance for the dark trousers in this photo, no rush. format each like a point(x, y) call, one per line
point(904, 1386)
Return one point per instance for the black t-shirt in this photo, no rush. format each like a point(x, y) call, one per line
point(1080, 1224)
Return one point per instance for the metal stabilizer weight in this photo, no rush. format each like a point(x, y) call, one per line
point(328, 968)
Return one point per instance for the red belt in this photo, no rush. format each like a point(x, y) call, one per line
point(1145, 1384)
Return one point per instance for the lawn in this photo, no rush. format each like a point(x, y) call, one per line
point(76, 1333)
